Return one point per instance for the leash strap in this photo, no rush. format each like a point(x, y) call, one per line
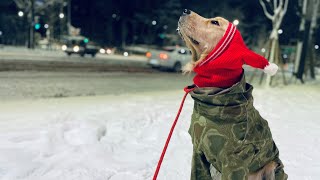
point(187, 90)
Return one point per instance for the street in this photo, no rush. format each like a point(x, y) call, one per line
point(35, 85)
point(18, 58)
point(21, 53)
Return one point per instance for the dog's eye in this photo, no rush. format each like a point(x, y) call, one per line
point(215, 22)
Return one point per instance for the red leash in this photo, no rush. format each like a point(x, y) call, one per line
point(170, 133)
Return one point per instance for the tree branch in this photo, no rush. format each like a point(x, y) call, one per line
point(268, 15)
point(275, 4)
point(23, 4)
point(19, 3)
point(282, 13)
point(285, 7)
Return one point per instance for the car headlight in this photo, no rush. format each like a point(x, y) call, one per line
point(102, 51)
point(76, 48)
point(64, 47)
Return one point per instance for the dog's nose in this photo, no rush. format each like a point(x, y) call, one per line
point(186, 12)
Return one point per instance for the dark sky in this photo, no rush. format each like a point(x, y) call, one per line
point(133, 17)
point(94, 15)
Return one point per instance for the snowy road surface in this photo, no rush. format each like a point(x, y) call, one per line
point(16, 53)
point(35, 85)
point(120, 137)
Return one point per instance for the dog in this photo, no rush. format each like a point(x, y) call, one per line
point(227, 132)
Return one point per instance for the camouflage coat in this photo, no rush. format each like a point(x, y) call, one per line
point(229, 134)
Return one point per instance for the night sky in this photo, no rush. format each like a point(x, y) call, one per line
point(118, 22)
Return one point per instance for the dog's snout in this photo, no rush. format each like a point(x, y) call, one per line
point(186, 12)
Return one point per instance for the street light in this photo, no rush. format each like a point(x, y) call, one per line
point(316, 46)
point(285, 56)
point(154, 22)
point(61, 15)
point(46, 26)
point(280, 31)
point(20, 13)
point(236, 22)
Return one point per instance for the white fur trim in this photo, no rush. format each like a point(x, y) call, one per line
point(271, 69)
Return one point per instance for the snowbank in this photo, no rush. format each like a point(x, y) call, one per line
point(121, 137)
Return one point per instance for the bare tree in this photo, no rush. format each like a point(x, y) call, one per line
point(23, 4)
point(313, 26)
point(275, 11)
point(308, 24)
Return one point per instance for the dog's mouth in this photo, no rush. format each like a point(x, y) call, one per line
point(190, 42)
point(193, 40)
point(180, 34)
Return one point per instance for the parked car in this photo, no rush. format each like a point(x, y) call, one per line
point(171, 57)
point(79, 45)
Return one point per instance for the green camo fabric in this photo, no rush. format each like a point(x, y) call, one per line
point(229, 134)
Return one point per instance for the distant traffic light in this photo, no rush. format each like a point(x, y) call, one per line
point(86, 40)
point(37, 26)
point(162, 36)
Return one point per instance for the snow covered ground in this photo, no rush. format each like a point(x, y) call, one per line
point(120, 137)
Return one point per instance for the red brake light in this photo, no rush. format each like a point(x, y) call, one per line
point(163, 56)
point(148, 54)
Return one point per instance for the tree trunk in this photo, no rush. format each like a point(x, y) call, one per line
point(308, 8)
point(313, 27)
point(31, 28)
point(69, 17)
point(123, 32)
point(273, 49)
point(304, 50)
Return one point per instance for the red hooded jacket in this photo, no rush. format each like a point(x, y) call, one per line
point(223, 65)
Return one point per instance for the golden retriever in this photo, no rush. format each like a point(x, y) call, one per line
point(201, 35)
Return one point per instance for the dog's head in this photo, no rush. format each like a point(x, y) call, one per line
point(200, 34)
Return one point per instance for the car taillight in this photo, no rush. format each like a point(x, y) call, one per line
point(163, 56)
point(108, 51)
point(148, 54)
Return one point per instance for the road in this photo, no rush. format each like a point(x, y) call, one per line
point(13, 58)
point(58, 75)
point(35, 74)
point(35, 85)
point(18, 53)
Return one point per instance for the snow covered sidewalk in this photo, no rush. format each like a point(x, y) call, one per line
point(121, 137)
